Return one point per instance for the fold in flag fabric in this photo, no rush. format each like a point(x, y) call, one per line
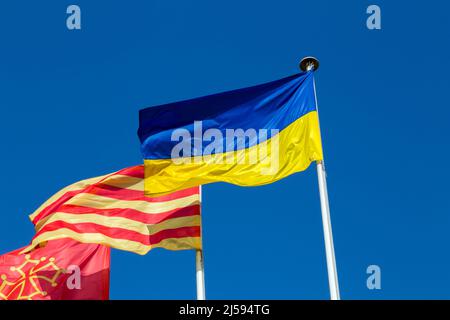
point(112, 210)
point(248, 137)
point(63, 269)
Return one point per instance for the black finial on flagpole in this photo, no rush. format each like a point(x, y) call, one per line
point(309, 63)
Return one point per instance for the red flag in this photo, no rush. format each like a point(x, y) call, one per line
point(63, 269)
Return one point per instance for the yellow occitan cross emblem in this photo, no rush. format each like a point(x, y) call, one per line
point(30, 277)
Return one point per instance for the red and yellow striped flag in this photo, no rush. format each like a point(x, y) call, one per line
point(112, 210)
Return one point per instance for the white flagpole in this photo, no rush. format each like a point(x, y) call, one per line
point(307, 64)
point(199, 266)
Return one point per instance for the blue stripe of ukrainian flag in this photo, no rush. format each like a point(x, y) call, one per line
point(248, 137)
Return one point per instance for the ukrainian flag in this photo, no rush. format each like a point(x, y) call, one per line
point(248, 137)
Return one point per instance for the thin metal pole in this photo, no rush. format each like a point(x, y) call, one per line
point(328, 233)
point(200, 272)
point(333, 283)
point(199, 265)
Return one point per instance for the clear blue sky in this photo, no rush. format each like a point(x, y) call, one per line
point(69, 103)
